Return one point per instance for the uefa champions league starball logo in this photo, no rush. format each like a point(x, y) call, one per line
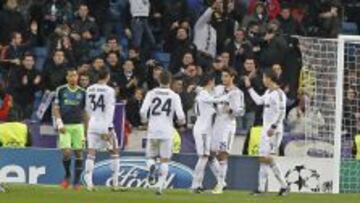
point(303, 179)
point(133, 172)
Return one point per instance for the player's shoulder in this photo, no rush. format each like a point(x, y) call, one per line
point(61, 88)
point(219, 88)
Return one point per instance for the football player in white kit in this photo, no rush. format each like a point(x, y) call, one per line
point(158, 109)
point(205, 111)
point(100, 106)
point(225, 124)
point(274, 102)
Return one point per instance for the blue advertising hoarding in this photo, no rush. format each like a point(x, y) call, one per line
point(44, 166)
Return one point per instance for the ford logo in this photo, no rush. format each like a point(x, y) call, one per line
point(133, 173)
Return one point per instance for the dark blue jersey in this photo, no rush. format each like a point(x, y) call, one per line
point(71, 103)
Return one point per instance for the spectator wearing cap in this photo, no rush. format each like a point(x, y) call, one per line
point(140, 11)
point(180, 47)
point(24, 81)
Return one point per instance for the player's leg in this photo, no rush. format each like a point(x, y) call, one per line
point(152, 152)
point(78, 143)
point(223, 156)
point(93, 141)
point(2, 188)
point(165, 147)
point(276, 141)
point(115, 161)
point(264, 152)
point(65, 146)
point(202, 148)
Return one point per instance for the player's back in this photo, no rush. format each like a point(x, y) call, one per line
point(274, 107)
point(204, 110)
point(160, 106)
point(100, 106)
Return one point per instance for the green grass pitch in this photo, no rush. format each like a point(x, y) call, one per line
point(46, 194)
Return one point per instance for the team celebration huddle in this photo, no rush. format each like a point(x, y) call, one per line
point(216, 108)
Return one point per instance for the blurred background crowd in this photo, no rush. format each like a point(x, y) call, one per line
point(136, 39)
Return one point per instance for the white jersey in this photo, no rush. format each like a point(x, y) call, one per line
point(159, 108)
point(205, 110)
point(100, 106)
point(274, 106)
point(236, 104)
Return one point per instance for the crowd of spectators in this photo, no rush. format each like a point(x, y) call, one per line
point(136, 39)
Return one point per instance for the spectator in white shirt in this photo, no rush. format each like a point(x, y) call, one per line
point(140, 11)
point(205, 35)
point(297, 120)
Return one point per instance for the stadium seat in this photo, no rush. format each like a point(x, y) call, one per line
point(349, 28)
point(163, 58)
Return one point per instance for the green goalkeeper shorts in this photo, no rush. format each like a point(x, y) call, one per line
point(73, 138)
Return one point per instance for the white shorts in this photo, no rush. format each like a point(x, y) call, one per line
point(101, 143)
point(270, 145)
point(222, 138)
point(202, 142)
point(159, 148)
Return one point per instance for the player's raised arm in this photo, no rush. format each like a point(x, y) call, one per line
point(207, 98)
point(259, 100)
point(180, 115)
point(145, 107)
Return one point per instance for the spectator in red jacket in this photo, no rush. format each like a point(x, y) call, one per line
point(273, 7)
point(5, 103)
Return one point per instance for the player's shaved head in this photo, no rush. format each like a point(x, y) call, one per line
point(103, 73)
point(165, 77)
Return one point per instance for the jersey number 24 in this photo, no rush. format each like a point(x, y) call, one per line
point(161, 107)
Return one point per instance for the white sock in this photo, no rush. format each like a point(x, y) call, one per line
point(199, 172)
point(215, 168)
point(278, 174)
point(89, 168)
point(223, 171)
point(263, 176)
point(164, 170)
point(115, 168)
point(149, 163)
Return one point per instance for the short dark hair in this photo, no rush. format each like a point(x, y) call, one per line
point(231, 72)
point(112, 37)
point(28, 54)
point(71, 70)
point(206, 78)
point(165, 77)
point(103, 73)
point(270, 73)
